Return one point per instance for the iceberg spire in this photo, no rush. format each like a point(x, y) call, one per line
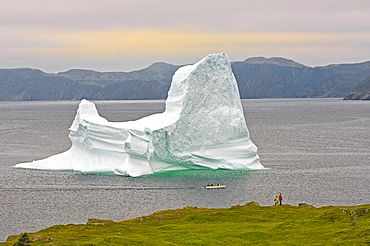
point(203, 126)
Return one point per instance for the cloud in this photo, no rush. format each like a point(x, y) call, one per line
point(218, 15)
point(71, 31)
point(152, 42)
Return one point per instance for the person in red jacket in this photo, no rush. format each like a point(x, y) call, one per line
point(281, 199)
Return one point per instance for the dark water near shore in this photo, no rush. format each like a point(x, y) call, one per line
point(317, 151)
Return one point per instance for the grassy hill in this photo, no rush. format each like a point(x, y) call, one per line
point(249, 224)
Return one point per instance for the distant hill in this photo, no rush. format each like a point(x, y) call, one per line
point(280, 78)
point(26, 84)
point(360, 91)
point(257, 77)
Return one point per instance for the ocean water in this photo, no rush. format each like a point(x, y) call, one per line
point(317, 151)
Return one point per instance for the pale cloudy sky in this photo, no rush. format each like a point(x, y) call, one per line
point(126, 35)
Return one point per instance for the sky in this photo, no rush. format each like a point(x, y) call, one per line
point(127, 35)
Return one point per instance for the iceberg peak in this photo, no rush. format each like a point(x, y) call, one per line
point(203, 126)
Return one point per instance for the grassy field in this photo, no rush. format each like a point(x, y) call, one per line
point(249, 224)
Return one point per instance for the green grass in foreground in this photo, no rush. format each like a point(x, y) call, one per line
point(249, 224)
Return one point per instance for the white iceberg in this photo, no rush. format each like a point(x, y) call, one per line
point(202, 127)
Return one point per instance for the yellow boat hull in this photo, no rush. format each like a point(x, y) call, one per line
point(215, 186)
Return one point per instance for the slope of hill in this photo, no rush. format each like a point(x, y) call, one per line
point(257, 77)
point(278, 77)
point(249, 224)
point(360, 91)
point(26, 84)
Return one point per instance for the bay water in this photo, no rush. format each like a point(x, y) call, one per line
point(316, 151)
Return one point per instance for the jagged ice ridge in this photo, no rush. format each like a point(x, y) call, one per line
point(203, 126)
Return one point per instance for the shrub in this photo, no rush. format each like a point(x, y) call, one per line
point(24, 240)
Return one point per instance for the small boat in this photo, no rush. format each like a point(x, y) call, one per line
point(218, 186)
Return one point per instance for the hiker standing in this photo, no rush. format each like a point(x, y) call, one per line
point(276, 200)
point(281, 199)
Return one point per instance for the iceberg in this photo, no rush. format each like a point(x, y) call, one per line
point(203, 126)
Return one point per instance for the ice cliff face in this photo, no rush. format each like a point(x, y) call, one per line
point(203, 126)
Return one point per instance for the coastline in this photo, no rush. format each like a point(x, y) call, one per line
point(240, 224)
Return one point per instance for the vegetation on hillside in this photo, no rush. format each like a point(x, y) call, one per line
point(249, 224)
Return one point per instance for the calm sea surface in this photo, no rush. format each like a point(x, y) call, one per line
point(317, 152)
